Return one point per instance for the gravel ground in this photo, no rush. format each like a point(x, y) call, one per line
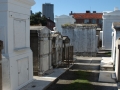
point(88, 64)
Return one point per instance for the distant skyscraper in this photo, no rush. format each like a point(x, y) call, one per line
point(48, 10)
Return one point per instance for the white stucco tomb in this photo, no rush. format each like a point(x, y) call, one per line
point(57, 46)
point(115, 36)
point(82, 37)
point(17, 66)
point(44, 48)
point(101, 35)
point(112, 63)
point(117, 60)
point(63, 19)
point(108, 18)
point(116, 48)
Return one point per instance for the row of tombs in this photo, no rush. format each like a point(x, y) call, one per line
point(115, 56)
point(50, 49)
point(84, 38)
point(110, 66)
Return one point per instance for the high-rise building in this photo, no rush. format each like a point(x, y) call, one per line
point(48, 10)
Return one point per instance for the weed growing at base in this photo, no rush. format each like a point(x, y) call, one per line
point(82, 83)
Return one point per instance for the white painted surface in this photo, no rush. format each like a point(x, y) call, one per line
point(23, 70)
point(115, 37)
point(108, 18)
point(19, 29)
point(115, 49)
point(45, 48)
point(14, 32)
point(106, 62)
point(82, 38)
point(63, 19)
point(106, 76)
point(44, 63)
point(59, 47)
point(117, 59)
point(44, 81)
point(97, 42)
point(101, 35)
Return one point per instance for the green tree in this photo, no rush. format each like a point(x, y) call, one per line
point(43, 20)
point(36, 19)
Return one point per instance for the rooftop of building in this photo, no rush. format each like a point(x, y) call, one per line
point(47, 4)
point(87, 15)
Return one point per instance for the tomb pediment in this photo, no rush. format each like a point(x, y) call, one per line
point(66, 39)
point(117, 12)
point(43, 29)
point(29, 2)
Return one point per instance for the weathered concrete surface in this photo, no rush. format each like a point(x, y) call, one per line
point(106, 70)
point(41, 47)
point(106, 76)
point(83, 38)
point(14, 32)
point(118, 84)
point(115, 37)
point(108, 18)
point(41, 83)
point(57, 46)
point(106, 64)
point(69, 76)
point(87, 63)
point(116, 48)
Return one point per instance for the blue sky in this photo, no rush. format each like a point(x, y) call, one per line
point(66, 6)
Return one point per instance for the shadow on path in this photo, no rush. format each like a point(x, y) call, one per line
point(73, 80)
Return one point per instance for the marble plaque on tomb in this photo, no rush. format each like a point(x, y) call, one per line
point(19, 33)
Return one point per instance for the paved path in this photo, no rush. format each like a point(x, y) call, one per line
point(88, 64)
point(40, 83)
point(93, 65)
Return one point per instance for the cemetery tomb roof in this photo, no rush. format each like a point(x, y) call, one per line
point(116, 24)
point(98, 29)
point(65, 37)
point(37, 27)
point(87, 25)
point(79, 25)
point(55, 35)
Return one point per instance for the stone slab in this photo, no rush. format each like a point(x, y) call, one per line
point(118, 85)
point(106, 64)
point(106, 76)
point(113, 75)
point(42, 82)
